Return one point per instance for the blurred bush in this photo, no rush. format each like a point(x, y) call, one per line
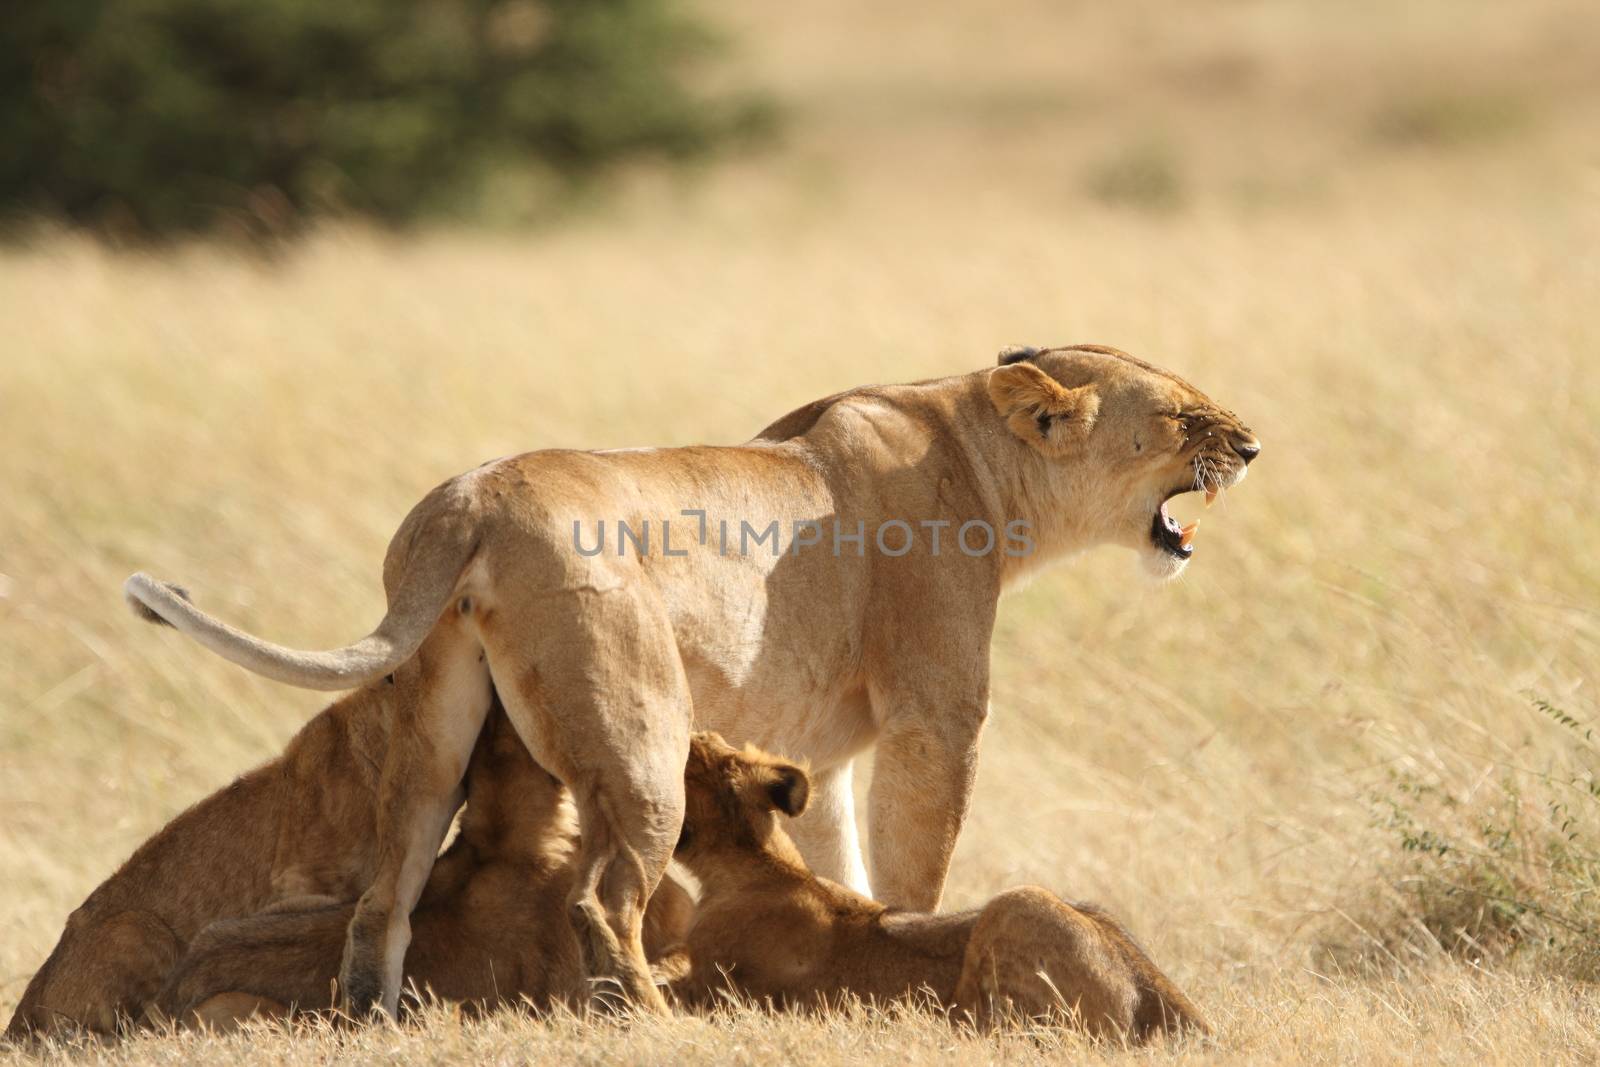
point(1144, 176)
point(1443, 120)
point(156, 117)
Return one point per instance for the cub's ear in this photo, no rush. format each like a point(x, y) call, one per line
point(787, 787)
point(1042, 411)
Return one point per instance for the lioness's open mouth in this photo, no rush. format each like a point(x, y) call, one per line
point(1167, 535)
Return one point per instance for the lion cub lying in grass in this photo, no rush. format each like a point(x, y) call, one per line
point(768, 928)
point(491, 927)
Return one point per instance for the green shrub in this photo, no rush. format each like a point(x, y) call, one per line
point(1505, 869)
point(164, 116)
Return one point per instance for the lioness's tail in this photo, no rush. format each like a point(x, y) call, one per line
point(426, 558)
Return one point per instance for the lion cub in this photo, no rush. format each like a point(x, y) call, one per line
point(296, 832)
point(490, 929)
point(769, 928)
point(299, 828)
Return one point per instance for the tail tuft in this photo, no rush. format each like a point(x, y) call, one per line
point(145, 611)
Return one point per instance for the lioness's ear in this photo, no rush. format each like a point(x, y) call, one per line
point(1042, 411)
point(787, 787)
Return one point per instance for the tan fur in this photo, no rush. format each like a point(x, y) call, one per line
point(602, 660)
point(490, 929)
point(769, 929)
point(298, 831)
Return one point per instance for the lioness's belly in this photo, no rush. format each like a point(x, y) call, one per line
point(780, 671)
point(766, 614)
point(827, 729)
point(772, 648)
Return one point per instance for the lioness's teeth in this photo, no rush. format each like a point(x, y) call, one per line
point(1211, 495)
point(1186, 534)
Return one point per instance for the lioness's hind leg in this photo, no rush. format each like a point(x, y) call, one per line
point(411, 828)
point(600, 698)
point(443, 697)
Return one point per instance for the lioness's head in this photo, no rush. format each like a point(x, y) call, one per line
point(732, 797)
point(1121, 438)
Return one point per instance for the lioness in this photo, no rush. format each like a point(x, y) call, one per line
point(295, 832)
point(770, 929)
point(814, 647)
point(491, 928)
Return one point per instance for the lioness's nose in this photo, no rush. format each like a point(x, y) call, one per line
point(1248, 450)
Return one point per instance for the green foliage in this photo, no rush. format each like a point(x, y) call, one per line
point(1509, 867)
point(162, 116)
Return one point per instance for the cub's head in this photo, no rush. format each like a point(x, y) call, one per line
point(1120, 438)
point(732, 799)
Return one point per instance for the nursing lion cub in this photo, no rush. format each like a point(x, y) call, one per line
point(491, 928)
point(770, 929)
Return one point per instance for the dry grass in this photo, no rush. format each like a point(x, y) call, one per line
point(1378, 246)
point(1447, 1017)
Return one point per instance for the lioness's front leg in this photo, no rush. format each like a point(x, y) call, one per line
point(921, 785)
point(928, 683)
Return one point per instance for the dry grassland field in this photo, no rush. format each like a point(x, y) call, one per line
point(1339, 777)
